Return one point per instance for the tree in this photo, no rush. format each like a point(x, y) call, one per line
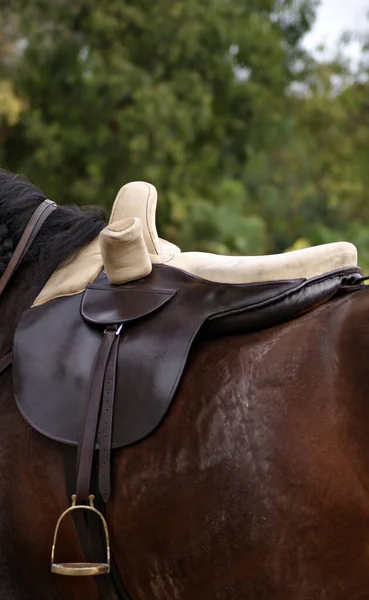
point(311, 184)
point(10, 105)
point(178, 92)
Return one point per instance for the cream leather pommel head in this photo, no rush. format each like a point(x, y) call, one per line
point(124, 252)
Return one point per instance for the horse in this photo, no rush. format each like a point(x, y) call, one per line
point(254, 487)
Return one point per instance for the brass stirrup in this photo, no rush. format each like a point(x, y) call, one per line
point(85, 568)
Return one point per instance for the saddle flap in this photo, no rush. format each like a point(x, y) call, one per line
point(55, 349)
point(106, 305)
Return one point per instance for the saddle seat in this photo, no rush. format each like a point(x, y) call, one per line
point(130, 245)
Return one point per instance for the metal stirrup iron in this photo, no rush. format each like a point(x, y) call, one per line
point(75, 569)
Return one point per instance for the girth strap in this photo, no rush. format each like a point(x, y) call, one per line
point(32, 228)
point(102, 384)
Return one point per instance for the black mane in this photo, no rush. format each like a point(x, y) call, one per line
point(66, 230)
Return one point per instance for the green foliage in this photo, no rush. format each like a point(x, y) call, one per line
point(251, 145)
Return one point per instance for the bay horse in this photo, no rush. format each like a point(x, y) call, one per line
point(255, 486)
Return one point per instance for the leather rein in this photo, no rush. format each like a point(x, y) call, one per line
point(38, 218)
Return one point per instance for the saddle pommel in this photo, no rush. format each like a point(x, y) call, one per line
point(124, 251)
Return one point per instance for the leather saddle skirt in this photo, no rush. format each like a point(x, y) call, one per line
point(161, 316)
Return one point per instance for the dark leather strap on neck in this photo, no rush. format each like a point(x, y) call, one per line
point(32, 228)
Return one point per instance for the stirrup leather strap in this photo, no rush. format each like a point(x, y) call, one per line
point(101, 391)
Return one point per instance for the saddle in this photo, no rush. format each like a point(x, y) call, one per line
point(99, 357)
point(104, 364)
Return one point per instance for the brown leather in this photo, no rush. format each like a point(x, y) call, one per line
point(33, 226)
point(101, 388)
point(6, 361)
point(93, 401)
point(136, 304)
point(106, 420)
point(54, 348)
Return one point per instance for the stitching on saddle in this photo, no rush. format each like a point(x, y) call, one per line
point(164, 262)
point(37, 303)
point(298, 281)
point(202, 280)
point(127, 289)
point(147, 220)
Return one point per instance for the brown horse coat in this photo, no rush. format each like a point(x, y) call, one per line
point(255, 487)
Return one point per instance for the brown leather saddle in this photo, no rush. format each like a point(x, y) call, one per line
point(100, 369)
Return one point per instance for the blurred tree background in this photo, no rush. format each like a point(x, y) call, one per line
point(254, 146)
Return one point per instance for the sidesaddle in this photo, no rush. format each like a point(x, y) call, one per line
point(99, 356)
